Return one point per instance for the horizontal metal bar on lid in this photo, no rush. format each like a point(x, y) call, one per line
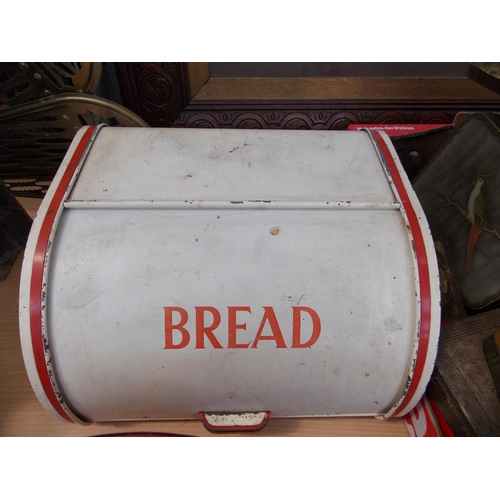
point(246, 204)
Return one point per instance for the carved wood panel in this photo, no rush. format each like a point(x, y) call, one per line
point(157, 92)
point(322, 116)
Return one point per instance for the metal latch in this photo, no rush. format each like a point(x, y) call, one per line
point(235, 422)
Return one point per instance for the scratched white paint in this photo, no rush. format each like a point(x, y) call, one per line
point(195, 164)
point(152, 222)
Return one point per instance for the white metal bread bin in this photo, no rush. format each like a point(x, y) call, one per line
point(228, 275)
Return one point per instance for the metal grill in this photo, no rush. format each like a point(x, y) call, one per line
point(35, 135)
point(24, 82)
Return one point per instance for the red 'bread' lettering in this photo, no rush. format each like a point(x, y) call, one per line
point(206, 331)
point(170, 327)
point(232, 327)
point(316, 326)
point(277, 336)
point(202, 330)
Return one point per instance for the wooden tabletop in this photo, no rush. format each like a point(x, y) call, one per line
point(22, 415)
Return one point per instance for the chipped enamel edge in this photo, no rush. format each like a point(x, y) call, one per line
point(32, 296)
point(425, 343)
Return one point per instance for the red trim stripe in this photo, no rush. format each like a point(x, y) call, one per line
point(37, 272)
point(423, 271)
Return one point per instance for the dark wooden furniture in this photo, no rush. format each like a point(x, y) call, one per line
point(185, 95)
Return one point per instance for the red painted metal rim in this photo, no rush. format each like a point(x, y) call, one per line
point(422, 268)
point(37, 272)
